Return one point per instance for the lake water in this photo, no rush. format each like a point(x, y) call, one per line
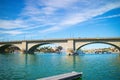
point(31, 67)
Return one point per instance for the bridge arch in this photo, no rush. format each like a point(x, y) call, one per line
point(5, 46)
point(32, 48)
point(99, 42)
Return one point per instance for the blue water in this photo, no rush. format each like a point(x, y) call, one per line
point(31, 67)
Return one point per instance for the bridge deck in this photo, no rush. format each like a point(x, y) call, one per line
point(66, 76)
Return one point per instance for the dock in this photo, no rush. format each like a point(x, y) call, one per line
point(66, 76)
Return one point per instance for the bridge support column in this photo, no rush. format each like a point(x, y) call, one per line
point(24, 46)
point(70, 46)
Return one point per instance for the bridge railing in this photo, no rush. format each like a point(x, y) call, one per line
point(9, 40)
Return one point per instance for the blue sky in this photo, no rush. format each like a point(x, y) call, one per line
point(42, 19)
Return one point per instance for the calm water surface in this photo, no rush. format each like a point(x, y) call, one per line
point(31, 67)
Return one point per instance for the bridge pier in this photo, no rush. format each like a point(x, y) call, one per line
point(24, 47)
point(71, 44)
point(71, 47)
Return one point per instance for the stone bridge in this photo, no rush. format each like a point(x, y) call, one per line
point(70, 43)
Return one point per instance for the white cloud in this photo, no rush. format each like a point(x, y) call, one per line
point(55, 15)
point(106, 17)
point(76, 18)
point(12, 32)
point(59, 3)
point(11, 24)
point(51, 29)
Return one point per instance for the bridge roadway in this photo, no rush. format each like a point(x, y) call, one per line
point(66, 43)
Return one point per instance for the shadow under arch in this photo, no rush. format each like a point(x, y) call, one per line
point(102, 43)
point(32, 49)
point(5, 46)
